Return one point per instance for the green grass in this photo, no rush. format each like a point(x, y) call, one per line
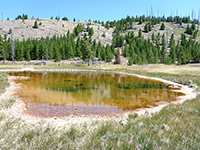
point(180, 77)
point(174, 127)
point(3, 82)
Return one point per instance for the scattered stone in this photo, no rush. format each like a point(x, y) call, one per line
point(193, 86)
point(103, 137)
point(190, 81)
point(140, 124)
point(76, 108)
point(155, 129)
point(165, 127)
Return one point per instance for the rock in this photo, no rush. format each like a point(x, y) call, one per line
point(193, 86)
point(154, 129)
point(190, 81)
point(140, 124)
point(165, 127)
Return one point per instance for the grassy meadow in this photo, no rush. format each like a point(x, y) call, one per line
point(174, 127)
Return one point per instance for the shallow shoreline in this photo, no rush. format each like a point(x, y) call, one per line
point(18, 108)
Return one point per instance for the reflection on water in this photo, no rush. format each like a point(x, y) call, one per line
point(89, 93)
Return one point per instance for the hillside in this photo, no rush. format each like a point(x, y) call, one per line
point(170, 28)
point(49, 27)
point(24, 29)
point(141, 40)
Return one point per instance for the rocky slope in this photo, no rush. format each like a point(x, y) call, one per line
point(24, 29)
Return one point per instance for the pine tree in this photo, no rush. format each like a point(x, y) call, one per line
point(109, 54)
point(163, 50)
point(78, 48)
point(163, 39)
point(57, 54)
point(156, 55)
point(172, 41)
point(18, 47)
point(153, 37)
point(162, 26)
point(64, 18)
point(36, 51)
point(172, 54)
point(10, 31)
point(125, 52)
point(90, 31)
point(130, 61)
point(98, 52)
point(1, 48)
point(163, 54)
point(35, 24)
point(146, 28)
point(27, 55)
point(140, 33)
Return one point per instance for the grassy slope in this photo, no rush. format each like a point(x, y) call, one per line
point(174, 127)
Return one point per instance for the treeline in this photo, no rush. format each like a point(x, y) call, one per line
point(127, 23)
point(57, 48)
point(136, 48)
point(156, 50)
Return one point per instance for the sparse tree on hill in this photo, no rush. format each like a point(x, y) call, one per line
point(90, 31)
point(153, 37)
point(140, 33)
point(104, 35)
point(10, 31)
point(65, 18)
point(35, 24)
point(1, 47)
point(57, 18)
point(162, 26)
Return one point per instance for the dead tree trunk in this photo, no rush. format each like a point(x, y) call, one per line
point(117, 58)
point(12, 49)
point(4, 55)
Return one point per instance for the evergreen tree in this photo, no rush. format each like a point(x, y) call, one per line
point(27, 55)
point(172, 41)
point(125, 52)
point(90, 31)
point(163, 50)
point(109, 54)
point(153, 37)
point(98, 52)
point(162, 26)
point(10, 31)
point(19, 53)
point(57, 57)
point(163, 39)
point(1, 48)
point(140, 33)
point(65, 18)
point(163, 54)
point(172, 54)
point(78, 48)
point(146, 28)
point(35, 24)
